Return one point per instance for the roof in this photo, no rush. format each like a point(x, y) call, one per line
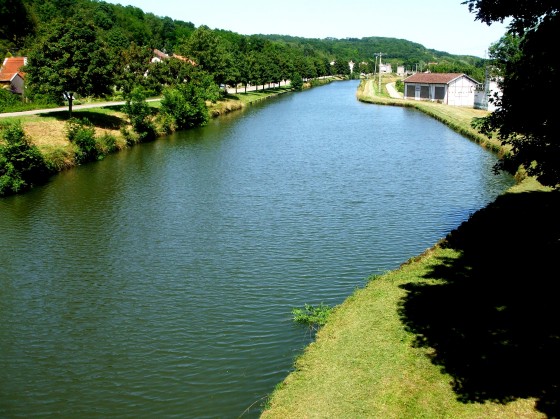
point(11, 67)
point(163, 56)
point(436, 78)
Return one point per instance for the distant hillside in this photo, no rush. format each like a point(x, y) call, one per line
point(119, 26)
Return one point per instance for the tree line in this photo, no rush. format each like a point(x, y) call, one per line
point(93, 48)
point(120, 39)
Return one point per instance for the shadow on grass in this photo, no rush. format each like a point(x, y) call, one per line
point(494, 320)
point(98, 119)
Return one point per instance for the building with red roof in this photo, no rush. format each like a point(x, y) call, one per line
point(454, 89)
point(11, 76)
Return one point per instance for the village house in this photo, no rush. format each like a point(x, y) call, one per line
point(485, 92)
point(453, 89)
point(11, 76)
point(159, 56)
point(385, 68)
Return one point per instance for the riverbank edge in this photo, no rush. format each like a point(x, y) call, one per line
point(61, 155)
point(365, 362)
point(366, 94)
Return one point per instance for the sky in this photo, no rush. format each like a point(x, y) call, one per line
point(443, 25)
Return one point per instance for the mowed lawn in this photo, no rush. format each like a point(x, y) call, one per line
point(467, 330)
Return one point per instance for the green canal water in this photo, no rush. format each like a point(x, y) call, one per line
point(160, 281)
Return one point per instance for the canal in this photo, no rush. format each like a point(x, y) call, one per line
point(160, 281)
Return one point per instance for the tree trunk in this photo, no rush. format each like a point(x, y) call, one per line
point(70, 106)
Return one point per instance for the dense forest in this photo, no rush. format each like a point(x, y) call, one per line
point(122, 39)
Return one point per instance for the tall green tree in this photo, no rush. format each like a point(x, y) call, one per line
point(525, 119)
point(69, 58)
point(211, 52)
point(15, 25)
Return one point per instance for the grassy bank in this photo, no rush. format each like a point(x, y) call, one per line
point(466, 330)
point(457, 118)
point(113, 131)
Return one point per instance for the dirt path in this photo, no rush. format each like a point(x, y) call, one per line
point(369, 90)
point(393, 92)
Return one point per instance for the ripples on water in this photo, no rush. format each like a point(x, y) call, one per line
point(160, 282)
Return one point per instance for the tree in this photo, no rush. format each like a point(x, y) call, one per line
point(523, 120)
point(133, 63)
point(16, 25)
point(211, 52)
point(296, 81)
point(69, 59)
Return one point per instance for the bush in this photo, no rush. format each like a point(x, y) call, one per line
point(139, 113)
point(186, 105)
point(82, 133)
point(22, 165)
point(107, 143)
point(8, 100)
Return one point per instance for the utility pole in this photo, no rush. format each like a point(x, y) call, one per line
point(379, 54)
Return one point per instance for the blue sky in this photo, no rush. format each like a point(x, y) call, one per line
point(444, 25)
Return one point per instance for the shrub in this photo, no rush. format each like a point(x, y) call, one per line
point(107, 143)
point(82, 134)
point(58, 159)
point(8, 100)
point(186, 105)
point(21, 163)
point(139, 113)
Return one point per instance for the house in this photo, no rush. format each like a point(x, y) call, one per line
point(159, 56)
point(11, 76)
point(385, 68)
point(484, 92)
point(453, 89)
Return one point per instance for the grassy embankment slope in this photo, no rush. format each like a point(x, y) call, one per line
point(466, 330)
point(48, 131)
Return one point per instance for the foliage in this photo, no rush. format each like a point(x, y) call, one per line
point(82, 133)
point(131, 68)
point(16, 24)
point(312, 316)
point(90, 47)
point(185, 104)
point(296, 81)
point(69, 57)
point(21, 163)
point(211, 52)
point(528, 64)
point(139, 113)
point(8, 100)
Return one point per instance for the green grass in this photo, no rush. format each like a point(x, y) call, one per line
point(48, 131)
point(466, 330)
point(457, 118)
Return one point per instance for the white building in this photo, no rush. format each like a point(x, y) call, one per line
point(486, 91)
point(453, 89)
